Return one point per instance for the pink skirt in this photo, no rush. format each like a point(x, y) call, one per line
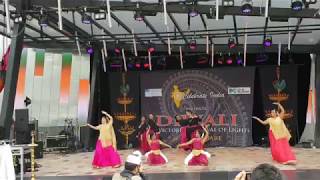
point(280, 149)
point(155, 159)
point(105, 156)
point(201, 160)
point(183, 137)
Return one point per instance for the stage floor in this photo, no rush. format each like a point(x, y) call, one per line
point(224, 160)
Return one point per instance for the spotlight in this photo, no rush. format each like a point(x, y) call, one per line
point(151, 48)
point(193, 44)
point(43, 21)
point(99, 15)
point(138, 16)
point(117, 50)
point(146, 65)
point(296, 5)
point(239, 59)
point(18, 19)
point(220, 59)
point(229, 59)
point(90, 50)
point(193, 12)
point(307, 2)
point(262, 57)
point(267, 42)
point(138, 65)
point(231, 43)
point(86, 19)
point(246, 7)
point(228, 3)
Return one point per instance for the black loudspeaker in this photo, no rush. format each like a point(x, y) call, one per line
point(21, 119)
point(84, 135)
point(39, 150)
point(23, 135)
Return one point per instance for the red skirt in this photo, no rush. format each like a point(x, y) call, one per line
point(183, 137)
point(105, 156)
point(155, 159)
point(143, 143)
point(280, 149)
point(201, 160)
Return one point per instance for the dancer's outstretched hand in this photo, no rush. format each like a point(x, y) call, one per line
point(255, 117)
point(276, 103)
point(241, 176)
point(104, 112)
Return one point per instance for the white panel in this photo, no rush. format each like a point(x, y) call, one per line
point(55, 90)
point(46, 90)
point(74, 86)
point(85, 67)
point(31, 59)
point(36, 97)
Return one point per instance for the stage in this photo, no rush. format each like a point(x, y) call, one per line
point(224, 164)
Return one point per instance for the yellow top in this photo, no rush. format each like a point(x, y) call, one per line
point(278, 128)
point(107, 135)
point(197, 152)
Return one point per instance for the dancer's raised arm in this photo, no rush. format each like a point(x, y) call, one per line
point(265, 122)
point(93, 127)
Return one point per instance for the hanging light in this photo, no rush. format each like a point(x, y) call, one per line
point(231, 43)
point(220, 59)
point(229, 59)
point(307, 2)
point(239, 59)
point(193, 44)
point(90, 50)
point(138, 16)
point(193, 12)
point(86, 19)
point(246, 7)
point(296, 5)
point(43, 21)
point(267, 42)
point(228, 3)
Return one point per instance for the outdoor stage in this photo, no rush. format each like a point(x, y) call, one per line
point(224, 164)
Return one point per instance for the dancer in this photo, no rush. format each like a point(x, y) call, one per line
point(153, 125)
point(106, 148)
point(197, 157)
point(155, 156)
point(279, 137)
point(142, 135)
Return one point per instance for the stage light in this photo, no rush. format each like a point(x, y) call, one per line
point(146, 65)
point(239, 59)
point(246, 7)
point(99, 15)
point(193, 44)
point(90, 50)
point(262, 57)
point(229, 59)
point(86, 19)
point(138, 16)
point(231, 42)
point(296, 5)
point(228, 3)
point(138, 65)
point(151, 48)
point(220, 59)
point(18, 19)
point(267, 42)
point(307, 2)
point(117, 50)
point(193, 12)
point(43, 21)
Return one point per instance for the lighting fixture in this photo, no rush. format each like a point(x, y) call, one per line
point(227, 3)
point(296, 5)
point(246, 7)
point(267, 42)
point(229, 59)
point(100, 15)
point(193, 12)
point(307, 2)
point(193, 44)
point(138, 16)
point(86, 19)
point(43, 21)
point(231, 43)
point(239, 59)
point(90, 50)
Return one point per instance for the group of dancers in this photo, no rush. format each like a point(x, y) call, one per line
point(193, 136)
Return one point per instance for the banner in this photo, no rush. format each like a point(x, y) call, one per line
point(279, 84)
point(124, 105)
point(222, 97)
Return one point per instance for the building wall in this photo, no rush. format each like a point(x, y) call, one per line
point(57, 84)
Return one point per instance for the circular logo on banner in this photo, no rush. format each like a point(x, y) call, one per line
point(206, 94)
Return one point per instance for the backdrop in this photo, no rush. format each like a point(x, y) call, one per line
point(223, 97)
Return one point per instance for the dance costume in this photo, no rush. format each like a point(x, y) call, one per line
point(197, 157)
point(279, 137)
point(187, 130)
point(155, 156)
point(142, 135)
point(105, 154)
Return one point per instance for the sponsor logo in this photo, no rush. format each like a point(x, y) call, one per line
point(239, 90)
point(153, 93)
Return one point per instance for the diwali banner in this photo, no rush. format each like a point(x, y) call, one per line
point(222, 97)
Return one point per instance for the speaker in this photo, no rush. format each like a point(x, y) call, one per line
point(21, 120)
point(84, 135)
point(39, 150)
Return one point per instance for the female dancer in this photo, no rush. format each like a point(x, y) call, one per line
point(197, 157)
point(155, 156)
point(106, 148)
point(279, 137)
point(142, 135)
